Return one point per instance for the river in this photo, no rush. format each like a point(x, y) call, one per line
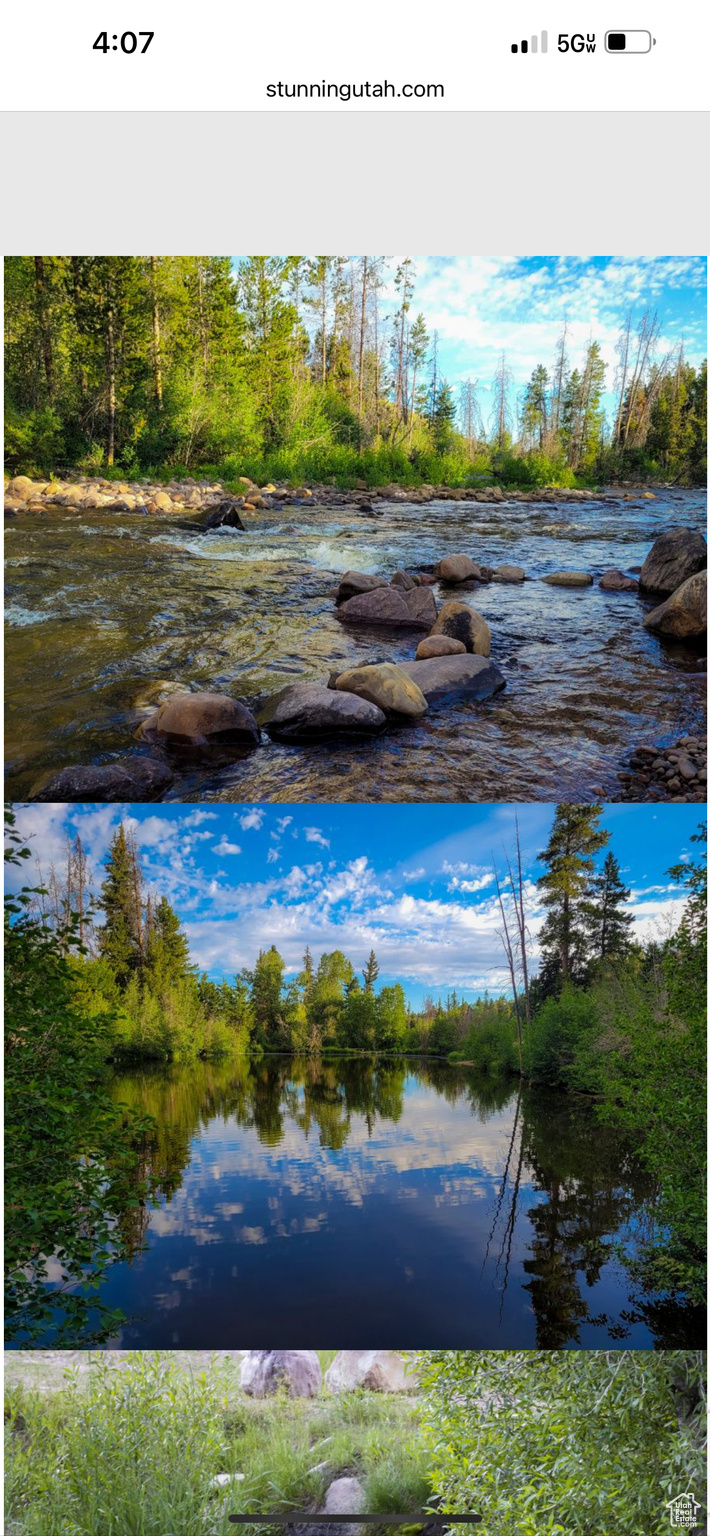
point(379, 1202)
point(100, 605)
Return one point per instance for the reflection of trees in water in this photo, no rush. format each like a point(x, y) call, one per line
point(592, 1186)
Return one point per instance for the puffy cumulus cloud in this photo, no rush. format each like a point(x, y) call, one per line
point(314, 835)
point(467, 878)
point(283, 822)
point(195, 818)
point(224, 846)
point(252, 819)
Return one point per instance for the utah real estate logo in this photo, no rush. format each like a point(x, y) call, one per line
point(685, 1512)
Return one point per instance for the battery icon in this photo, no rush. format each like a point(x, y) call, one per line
point(629, 42)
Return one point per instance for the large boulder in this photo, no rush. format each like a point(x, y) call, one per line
point(439, 645)
point(345, 1496)
point(385, 685)
point(456, 568)
point(20, 489)
point(225, 515)
point(130, 778)
point(160, 502)
point(674, 556)
point(204, 722)
point(391, 607)
point(353, 583)
point(616, 581)
point(684, 615)
point(569, 579)
point(309, 711)
point(267, 1371)
point(373, 1370)
point(473, 677)
point(460, 622)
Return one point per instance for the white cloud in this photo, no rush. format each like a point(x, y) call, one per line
point(273, 856)
point(195, 818)
point(283, 822)
point(251, 820)
point(312, 835)
point(223, 846)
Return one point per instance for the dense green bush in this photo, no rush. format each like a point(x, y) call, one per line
point(550, 1443)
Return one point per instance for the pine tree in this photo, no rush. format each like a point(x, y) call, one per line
point(576, 837)
point(119, 939)
point(608, 925)
point(371, 972)
point(167, 951)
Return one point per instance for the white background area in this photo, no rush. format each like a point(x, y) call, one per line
point(457, 184)
point(216, 56)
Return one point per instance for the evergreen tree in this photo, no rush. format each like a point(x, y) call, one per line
point(371, 972)
point(167, 950)
point(266, 996)
point(575, 839)
point(608, 925)
point(120, 936)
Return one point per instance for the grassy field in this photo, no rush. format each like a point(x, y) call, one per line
point(134, 1451)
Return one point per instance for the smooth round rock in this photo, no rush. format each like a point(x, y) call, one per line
point(474, 677)
point(131, 778)
point(511, 573)
point(456, 568)
point(309, 711)
point(569, 579)
point(616, 581)
point(439, 645)
point(460, 622)
point(684, 615)
point(372, 1370)
point(267, 1371)
point(385, 685)
point(673, 557)
point(202, 720)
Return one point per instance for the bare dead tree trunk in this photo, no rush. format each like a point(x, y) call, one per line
point(363, 311)
point(510, 956)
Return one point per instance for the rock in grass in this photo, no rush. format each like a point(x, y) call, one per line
point(385, 685)
point(129, 778)
point(672, 559)
point(354, 583)
point(267, 1371)
point(310, 711)
point(684, 614)
point(473, 677)
point(345, 1496)
point(439, 645)
point(374, 1370)
point(391, 608)
point(569, 579)
point(616, 581)
point(460, 622)
point(202, 722)
point(456, 568)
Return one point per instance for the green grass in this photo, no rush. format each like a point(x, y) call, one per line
point(134, 1451)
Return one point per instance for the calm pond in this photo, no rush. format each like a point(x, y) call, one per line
point(381, 1203)
point(101, 605)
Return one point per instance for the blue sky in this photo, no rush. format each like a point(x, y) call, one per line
point(413, 882)
point(482, 305)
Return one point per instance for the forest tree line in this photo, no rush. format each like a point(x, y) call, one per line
point(302, 368)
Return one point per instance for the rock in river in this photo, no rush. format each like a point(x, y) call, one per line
point(460, 622)
point(385, 685)
point(683, 616)
point(226, 515)
point(568, 579)
point(391, 607)
point(475, 677)
point(353, 583)
point(439, 645)
point(266, 1371)
point(616, 581)
point(129, 778)
point(509, 573)
point(374, 1370)
point(309, 711)
point(456, 568)
point(674, 556)
point(202, 721)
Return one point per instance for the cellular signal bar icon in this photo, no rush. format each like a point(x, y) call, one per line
point(530, 47)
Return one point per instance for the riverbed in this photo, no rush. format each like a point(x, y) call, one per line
point(100, 605)
point(379, 1202)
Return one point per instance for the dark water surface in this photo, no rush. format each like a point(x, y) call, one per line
point(380, 1203)
point(100, 605)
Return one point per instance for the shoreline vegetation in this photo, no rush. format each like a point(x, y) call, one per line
point(183, 1446)
point(301, 368)
point(605, 1015)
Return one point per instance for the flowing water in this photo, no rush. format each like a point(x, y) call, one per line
point(100, 605)
point(462, 1210)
